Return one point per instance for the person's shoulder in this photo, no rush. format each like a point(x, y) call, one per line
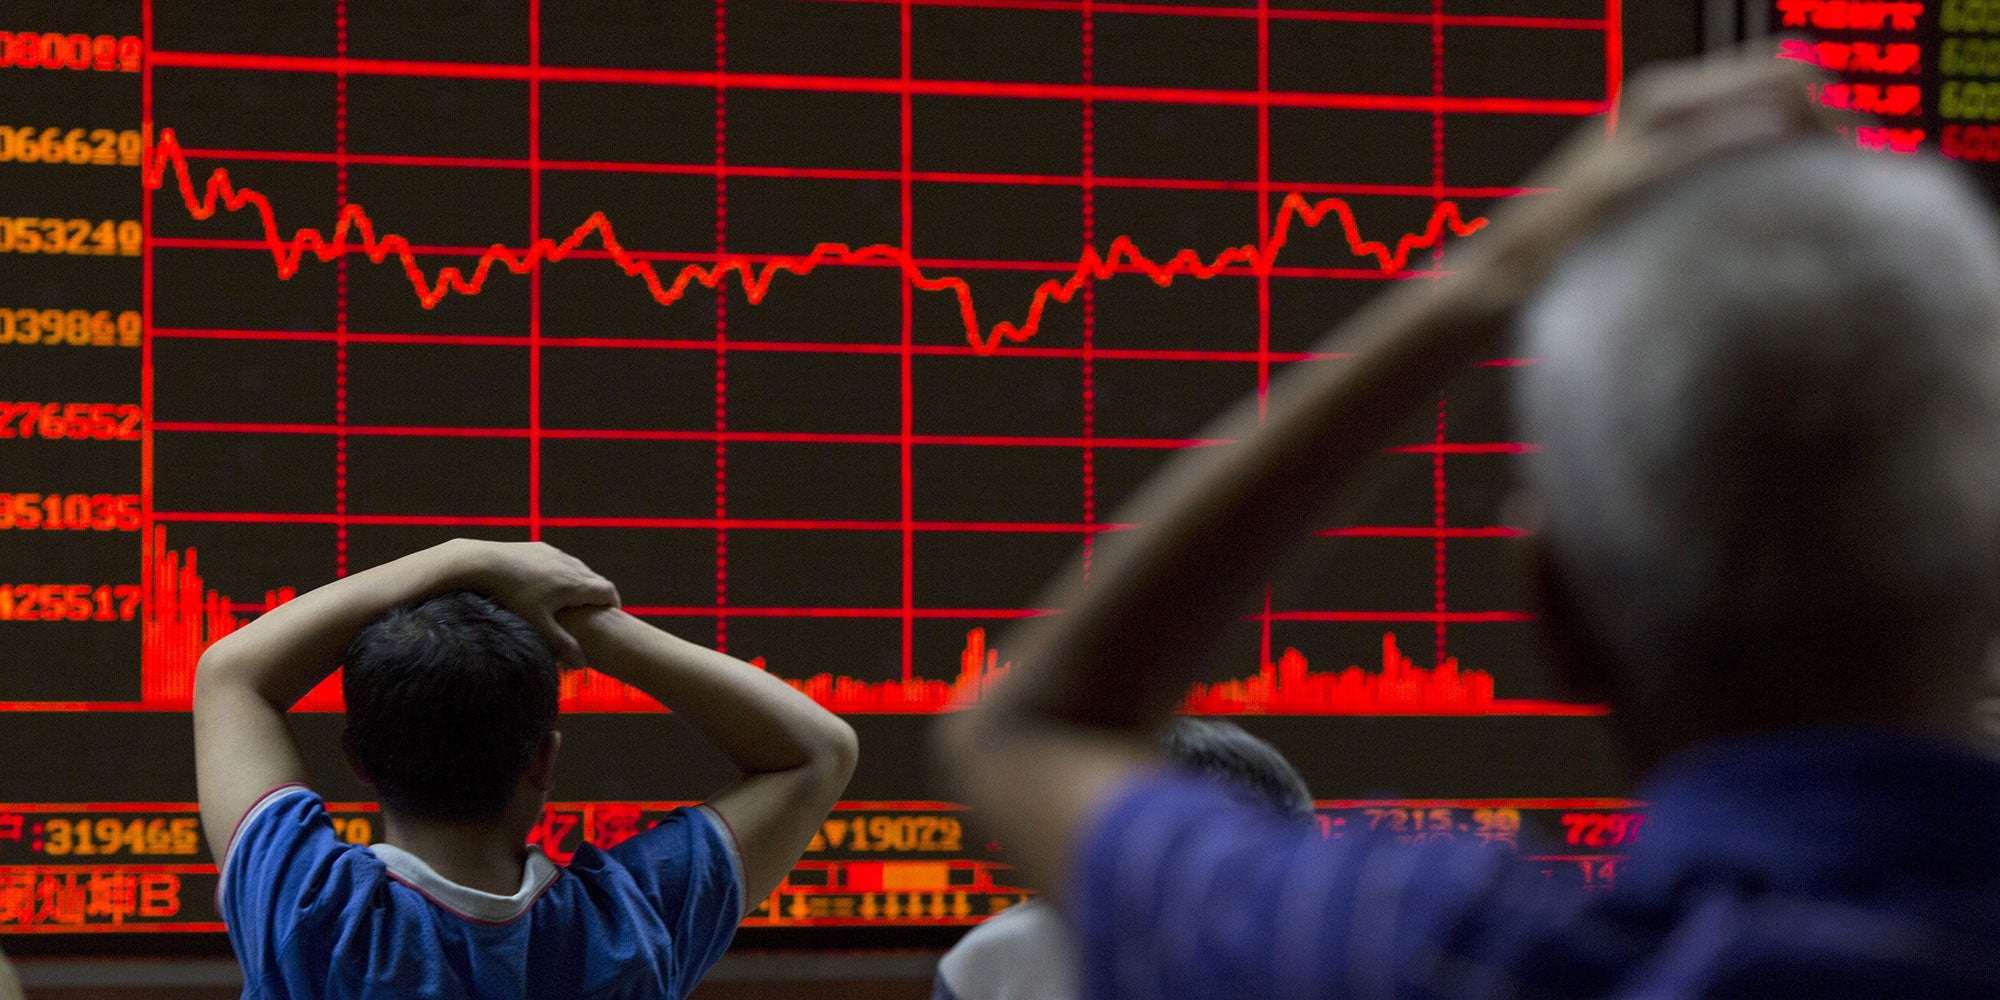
point(687, 858)
point(1022, 953)
point(286, 836)
point(1027, 928)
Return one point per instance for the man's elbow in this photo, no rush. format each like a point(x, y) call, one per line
point(839, 752)
point(216, 667)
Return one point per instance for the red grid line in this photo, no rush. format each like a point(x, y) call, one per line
point(855, 174)
point(906, 403)
point(777, 346)
point(789, 611)
point(1408, 617)
point(614, 434)
point(340, 313)
point(1263, 14)
point(1086, 528)
point(535, 275)
point(721, 336)
point(1089, 203)
point(625, 522)
point(1361, 617)
point(1439, 544)
point(147, 333)
point(1210, 11)
point(1556, 107)
point(778, 437)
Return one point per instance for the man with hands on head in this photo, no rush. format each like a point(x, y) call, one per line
point(1767, 400)
point(453, 658)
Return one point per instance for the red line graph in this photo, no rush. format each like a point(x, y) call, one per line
point(221, 193)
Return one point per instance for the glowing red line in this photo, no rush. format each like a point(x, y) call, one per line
point(1422, 532)
point(1413, 617)
point(737, 611)
point(1198, 10)
point(729, 260)
point(772, 437)
point(850, 174)
point(709, 79)
point(704, 523)
point(612, 434)
point(756, 282)
point(778, 524)
point(775, 346)
point(1465, 448)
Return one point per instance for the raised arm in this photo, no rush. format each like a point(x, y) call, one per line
point(1046, 750)
point(795, 756)
point(10, 985)
point(248, 679)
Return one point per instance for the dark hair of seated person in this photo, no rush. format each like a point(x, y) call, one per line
point(447, 701)
point(1226, 751)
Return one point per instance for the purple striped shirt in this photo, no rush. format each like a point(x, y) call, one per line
point(1821, 865)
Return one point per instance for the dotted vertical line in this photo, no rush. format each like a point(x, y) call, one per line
point(1437, 115)
point(340, 294)
point(1263, 261)
point(1089, 291)
point(721, 336)
point(535, 275)
point(906, 403)
point(153, 686)
point(1438, 522)
point(1438, 545)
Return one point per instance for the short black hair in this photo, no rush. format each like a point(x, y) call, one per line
point(447, 701)
point(1226, 751)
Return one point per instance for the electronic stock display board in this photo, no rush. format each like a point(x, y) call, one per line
point(832, 330)
point(1927, 72)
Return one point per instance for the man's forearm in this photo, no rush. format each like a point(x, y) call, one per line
point(758, 721)
point(285, 652)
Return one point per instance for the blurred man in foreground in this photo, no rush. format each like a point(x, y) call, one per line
point(1768, 404)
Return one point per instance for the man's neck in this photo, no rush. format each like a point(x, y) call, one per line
point(484, 856)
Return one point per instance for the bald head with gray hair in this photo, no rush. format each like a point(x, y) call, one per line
point(1768, 404)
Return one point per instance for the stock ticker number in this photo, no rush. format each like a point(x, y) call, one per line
point(1969, 57)
point(65, 836)
point(55, 50)
point(1973, 143)
point(891, 833)
point(58, 602)
point(1970, 15)
point(69, 512)
point(1969, 100)
point(71, 421)
point(71, 327)
point(101, 147)
point(75, 237)
point(1601, 829)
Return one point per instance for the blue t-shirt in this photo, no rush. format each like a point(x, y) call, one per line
point(313, 917)
point(1830, 865)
